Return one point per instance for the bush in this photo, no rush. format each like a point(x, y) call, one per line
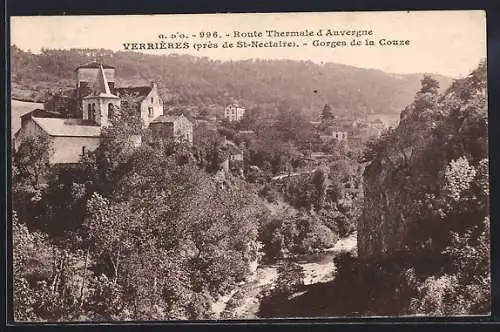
point(270, 193)
point(290, 278)
point(437, 296)
point(326, 238)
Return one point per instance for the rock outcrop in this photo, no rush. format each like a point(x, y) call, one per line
point(403, 182)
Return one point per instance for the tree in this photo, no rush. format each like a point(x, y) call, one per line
point(429, 85)
point(327, 113)
point(118, 141)
point(290, 278)
point(319, 182)
point(375, 146)
point(30, 170)
point(426, 97)
point(46, 282)
point(32, 160)
point(108, 229)
point(168, 239)
point(209, 149)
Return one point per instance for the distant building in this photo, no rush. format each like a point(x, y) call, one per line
point(340, 136)
point(178, 128)
point(235, 156)
point(234, 113)
point(235, 153)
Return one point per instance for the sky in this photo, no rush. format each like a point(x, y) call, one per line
point(450, 43)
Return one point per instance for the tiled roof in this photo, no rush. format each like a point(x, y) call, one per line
point(41, 113)
point(234, 105)
point(137, 93)
point(68, 127)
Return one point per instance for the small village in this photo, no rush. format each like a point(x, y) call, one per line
point(73, 120)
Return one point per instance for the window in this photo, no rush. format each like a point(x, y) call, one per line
point(111, 111)
point(150, 112)
point(152, 100)
point(89, 110)
point(84, 150)
point(93, 112)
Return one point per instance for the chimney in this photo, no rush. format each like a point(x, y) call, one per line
point(153, 84)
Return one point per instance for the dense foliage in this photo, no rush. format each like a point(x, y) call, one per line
point(158, 240)
point(435, 165)
point(424, 237)
point(157, 231)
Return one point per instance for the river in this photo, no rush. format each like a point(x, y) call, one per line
point(244, 301)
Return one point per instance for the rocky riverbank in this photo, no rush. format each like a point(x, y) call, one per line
point(244, 301)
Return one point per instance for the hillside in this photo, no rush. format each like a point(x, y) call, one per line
point(423, 239)
point(410, 184)
point(202, 82)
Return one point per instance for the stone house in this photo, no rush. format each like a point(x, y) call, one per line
point(174, 127)
point(70, 138)
point(146, 100)
point(235, 156)
point(340, 136)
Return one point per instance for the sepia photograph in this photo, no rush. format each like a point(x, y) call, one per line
point(249, 166)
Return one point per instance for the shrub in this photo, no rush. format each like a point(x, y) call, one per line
point(436, 296)
point(290, 278)
point(269, 193)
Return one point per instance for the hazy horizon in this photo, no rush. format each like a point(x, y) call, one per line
point(251, 59)
point(448, 43)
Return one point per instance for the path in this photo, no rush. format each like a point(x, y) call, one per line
point(283, 176)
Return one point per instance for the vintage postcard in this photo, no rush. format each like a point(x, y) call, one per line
point(249, 166)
